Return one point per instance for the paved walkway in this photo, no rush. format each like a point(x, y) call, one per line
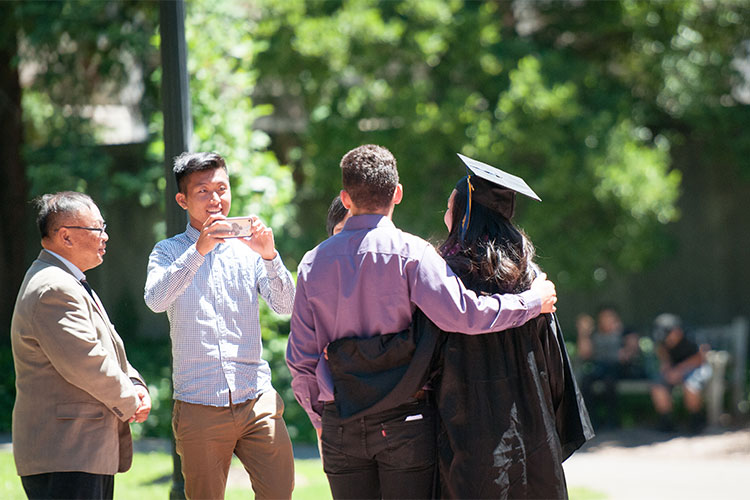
point(644, 464)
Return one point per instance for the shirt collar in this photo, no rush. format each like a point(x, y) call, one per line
point(71, 267)
point(367, 221)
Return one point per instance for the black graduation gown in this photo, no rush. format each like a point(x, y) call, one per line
point(510, 413)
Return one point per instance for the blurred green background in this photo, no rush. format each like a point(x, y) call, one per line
point(627, 117)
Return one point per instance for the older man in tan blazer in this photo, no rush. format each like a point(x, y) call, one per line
point(76, 391)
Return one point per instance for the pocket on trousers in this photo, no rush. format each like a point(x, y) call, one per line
point(410, 440)
point(279, 403)
point(70, 411)
point(176, 407)
point(332, 445)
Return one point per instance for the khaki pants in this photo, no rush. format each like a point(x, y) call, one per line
point(207, 436)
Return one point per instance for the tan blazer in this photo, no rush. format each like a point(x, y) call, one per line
point(74, 393)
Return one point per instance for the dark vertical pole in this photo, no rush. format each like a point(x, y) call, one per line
point(175, 92)
point(178, 127)
point(14, 189)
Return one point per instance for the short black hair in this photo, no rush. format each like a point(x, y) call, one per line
point(55, 206)
point(336, 213)
point(370, 176)
point(187, 163)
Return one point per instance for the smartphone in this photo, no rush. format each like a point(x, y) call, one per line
point(240, 227)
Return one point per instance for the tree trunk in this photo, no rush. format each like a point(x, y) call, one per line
point(13, 186)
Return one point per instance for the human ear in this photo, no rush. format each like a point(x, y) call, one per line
point(398, 194)
point(346, 200)
point(181, 200)
point(64, 235)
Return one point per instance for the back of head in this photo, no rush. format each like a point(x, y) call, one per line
point(369, 175)
point(492, 251)
point(664, 324)
point(608, 319)
point(56, 208)
point(337, 212)
point(187, 163)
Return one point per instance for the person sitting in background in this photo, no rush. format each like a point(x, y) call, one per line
point(683, 363)
point(609, 354)
point(585, 324)
point(337, 216)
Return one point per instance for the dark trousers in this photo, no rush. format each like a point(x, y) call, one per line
point(69, 485)
point(391, 454)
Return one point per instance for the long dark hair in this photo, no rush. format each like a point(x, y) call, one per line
point(494, 256)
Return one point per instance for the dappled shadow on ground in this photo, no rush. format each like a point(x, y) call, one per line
point(166, 478)
point(626, 438)
point(636, 437)
point(643, 463)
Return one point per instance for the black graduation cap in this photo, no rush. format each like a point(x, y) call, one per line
point(493, 188)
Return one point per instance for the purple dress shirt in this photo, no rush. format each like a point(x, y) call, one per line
point(368, 280)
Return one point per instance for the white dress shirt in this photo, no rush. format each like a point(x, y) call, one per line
point(212, 305)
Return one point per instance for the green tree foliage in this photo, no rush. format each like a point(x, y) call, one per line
point(596, 104)
point(221, 60)
point(591, 102)
point(85, 53)
point(68, 57)
point(80, 54)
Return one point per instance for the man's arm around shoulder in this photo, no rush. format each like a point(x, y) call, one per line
point(441, 295)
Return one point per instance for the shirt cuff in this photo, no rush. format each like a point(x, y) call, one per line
point(315, 420)
point(533, 302)
point(274, 265)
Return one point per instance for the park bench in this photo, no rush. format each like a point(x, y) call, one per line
point(728, 359)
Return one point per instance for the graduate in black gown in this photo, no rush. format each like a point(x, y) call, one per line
point(510, 410)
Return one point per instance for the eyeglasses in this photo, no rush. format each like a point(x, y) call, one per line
point(99, 229)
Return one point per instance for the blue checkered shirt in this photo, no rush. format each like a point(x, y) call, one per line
point(212, 305)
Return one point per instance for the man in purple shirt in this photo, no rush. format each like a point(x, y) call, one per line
point(368, 280)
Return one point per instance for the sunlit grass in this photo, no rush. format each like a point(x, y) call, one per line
point(151, 478)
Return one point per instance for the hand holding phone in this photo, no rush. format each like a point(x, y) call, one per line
point(241, 227)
